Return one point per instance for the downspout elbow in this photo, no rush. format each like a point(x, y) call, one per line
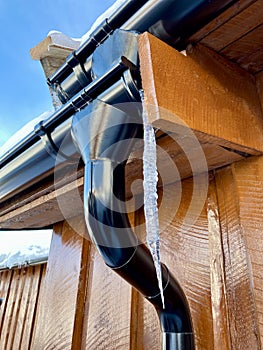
point(105, 139)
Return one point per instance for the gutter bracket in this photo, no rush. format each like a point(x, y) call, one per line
point(77, 66)
point(49, 144)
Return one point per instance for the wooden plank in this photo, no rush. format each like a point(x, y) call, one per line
point(5, 283)
point(219, 21)
point(79, 335)
point(108, 309)
point(38, 307)
point(58, 305)
point(249, 184)
point(243, 329)
point(146, 327)
point(203, 91)
point(236, 27)
point(185, 250)
point(34, 214)
point(31, 307)
point(221, 325)
point(45, 208)
point(16, 319)
point(247, 51)
point(173, 162)
point(22, 307)
point(7, 331)
point(17, 314)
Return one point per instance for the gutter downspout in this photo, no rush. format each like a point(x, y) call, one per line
point(105, 156)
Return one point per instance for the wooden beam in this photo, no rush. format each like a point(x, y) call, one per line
point(60, 204)
point(203, 92)
point(59, 320)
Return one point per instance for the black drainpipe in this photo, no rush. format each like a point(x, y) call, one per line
point(105, 136)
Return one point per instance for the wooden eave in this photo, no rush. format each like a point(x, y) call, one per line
point(224, 64)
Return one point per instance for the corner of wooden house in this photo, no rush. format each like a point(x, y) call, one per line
point(203, 94)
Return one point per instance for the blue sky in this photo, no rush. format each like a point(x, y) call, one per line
point(23, 24)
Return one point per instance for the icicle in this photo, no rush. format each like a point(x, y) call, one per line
point(150, 178)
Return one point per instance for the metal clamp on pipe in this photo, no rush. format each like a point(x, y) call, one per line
point(50, 146)
point(115, 21)
point(121, 46)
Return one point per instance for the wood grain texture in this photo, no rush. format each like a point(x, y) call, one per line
point(219, 21)
point(242, 317)
point(217, 274)
point(46, 209)
point(178, 157)
point(108, 309)
point(20, 291)
point(59, 320)
point(5, 281)
point(203, 91)
point(248, 50)
point(185, 251)
point(236, 27)
point(249, 184)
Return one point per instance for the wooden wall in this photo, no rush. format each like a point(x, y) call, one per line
point(20, 290)
point(217, 260)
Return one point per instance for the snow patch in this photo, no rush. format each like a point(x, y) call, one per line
point(101, 18)
point(20, 248)
point(60, 39)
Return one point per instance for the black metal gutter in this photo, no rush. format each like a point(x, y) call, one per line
point(170, 20)
point(24, 166)
point(116, 20)
point(105, 145)
point(66, 111)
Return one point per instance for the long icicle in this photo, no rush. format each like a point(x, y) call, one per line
point(150, 179)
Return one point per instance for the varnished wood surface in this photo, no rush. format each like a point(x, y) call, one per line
point(237, 34)
point(242, 317)
point(20, 290)
point(59, 319)
point(222, 19)
point(108, 312)
point(210, 95)
point(249, 185)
